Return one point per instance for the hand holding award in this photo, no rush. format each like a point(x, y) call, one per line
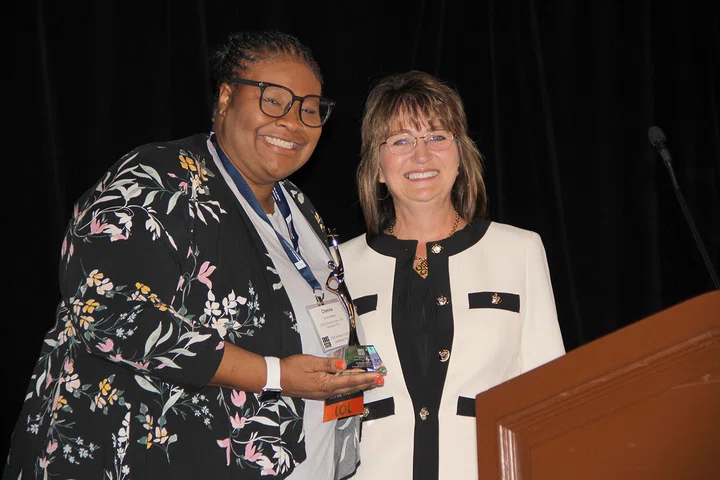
point(362, 357)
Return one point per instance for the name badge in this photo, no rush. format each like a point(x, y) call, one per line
point(331, 324)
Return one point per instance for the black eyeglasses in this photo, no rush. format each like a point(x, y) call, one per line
point(276, 101)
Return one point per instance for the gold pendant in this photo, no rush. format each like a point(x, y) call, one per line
point(422, 266)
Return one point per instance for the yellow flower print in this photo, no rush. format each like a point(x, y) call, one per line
point(161, 306)
point(202, 172)
point(69, 329)
point(157, 302)
point(60, 402)
point(90, 306)
point(97, 279)
point(140, 295)
point(105, 386)
point(187, 163)
point(85, 321)
point(112, 396)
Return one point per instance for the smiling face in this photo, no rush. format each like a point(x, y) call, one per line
point(422, 176)
point(266, 149)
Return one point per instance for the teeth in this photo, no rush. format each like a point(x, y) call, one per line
point(280, 143)
point(416, 175)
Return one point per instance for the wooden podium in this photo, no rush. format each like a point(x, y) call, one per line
point(642, 403)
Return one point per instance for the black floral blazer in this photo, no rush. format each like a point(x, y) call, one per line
point(160, 264)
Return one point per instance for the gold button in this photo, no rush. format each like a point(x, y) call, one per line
point(496, 299)
point(442, 300)
point(366, 412)
point(424, 412)
point(444, 355)
point(436, 248)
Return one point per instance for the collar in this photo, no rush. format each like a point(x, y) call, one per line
point(461, 240)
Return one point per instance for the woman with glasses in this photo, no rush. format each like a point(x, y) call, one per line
point(454, 303)
point(183, 345)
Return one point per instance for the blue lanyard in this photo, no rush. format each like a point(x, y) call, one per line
point(293, 252)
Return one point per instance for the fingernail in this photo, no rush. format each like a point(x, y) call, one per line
point(379, 380)
point(341, 364)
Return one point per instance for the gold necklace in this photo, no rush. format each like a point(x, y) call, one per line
point(422, 266)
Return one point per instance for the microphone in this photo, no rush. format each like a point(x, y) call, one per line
point(657, 140)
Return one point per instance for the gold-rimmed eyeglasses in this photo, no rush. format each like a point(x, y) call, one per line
point(404, 143)
point(276, 101)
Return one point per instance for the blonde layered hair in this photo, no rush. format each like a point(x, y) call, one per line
point(422, 99)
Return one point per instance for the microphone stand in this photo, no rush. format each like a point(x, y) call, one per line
point(706, 258)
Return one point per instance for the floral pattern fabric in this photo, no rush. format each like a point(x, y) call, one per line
point(159, 266)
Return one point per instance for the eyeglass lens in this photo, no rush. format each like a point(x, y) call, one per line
point(405, 143)
point(276, 101)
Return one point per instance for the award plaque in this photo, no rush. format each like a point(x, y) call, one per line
point(358, 357)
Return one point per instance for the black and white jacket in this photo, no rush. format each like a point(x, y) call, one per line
point(484, 314)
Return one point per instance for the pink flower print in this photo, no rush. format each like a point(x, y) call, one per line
point(226, 445)
point(105, 286)
point(184, 187)
point(44, 462)
point(148, 425)
point(141, 366)
point(250, 454)
point(64, 247)
point(97, 279)
point(106, 346)
point(115, 233)
point(237, 421)
point(180, 284)
point(161, 435)
point(205, 271)
point(267, 466)
point(96, 227)
point(68, 366)
point(77, 306)
point(238, 398)
point(220, 345)
point(72, 382)
point(51, 447)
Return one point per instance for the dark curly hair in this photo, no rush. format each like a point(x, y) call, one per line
point(231, 58)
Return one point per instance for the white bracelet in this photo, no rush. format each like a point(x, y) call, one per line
point(272, 389)
point(273, 373)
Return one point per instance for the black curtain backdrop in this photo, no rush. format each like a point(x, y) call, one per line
point(559, 96)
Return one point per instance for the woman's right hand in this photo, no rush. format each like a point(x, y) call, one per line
point(316, 378)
